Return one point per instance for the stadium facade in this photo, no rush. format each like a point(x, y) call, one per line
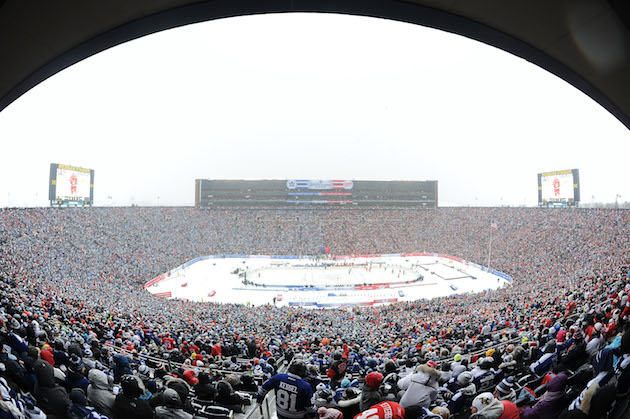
point(325, 193)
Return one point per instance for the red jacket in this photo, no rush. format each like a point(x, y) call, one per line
point(48, 357)
point(216, 350)
point(510, 411)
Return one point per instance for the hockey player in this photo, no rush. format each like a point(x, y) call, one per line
point(294, 396)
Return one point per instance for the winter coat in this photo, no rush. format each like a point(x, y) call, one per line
point(508, 368)
point(76, 380)
point(369, 397)
point(17, 344)
point(551, 403)
point(51, 397)
point(493, 411)
point(99, 393)
point(510, 411)
point(574, 358)
point(461, 398)
point(350, 408)
point(594, 345)
point(543, 364)
point(163, 412)
point(421, 387)
point(172, 408)
point(121, 367)
point(47, 356)
point(126, 407)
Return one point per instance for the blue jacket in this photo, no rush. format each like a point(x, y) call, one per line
point(294, 396)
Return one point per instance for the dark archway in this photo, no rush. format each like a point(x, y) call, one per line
point(39, 41)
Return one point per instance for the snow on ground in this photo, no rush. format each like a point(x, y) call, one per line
point(324, 283)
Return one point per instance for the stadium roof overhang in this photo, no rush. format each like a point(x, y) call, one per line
point(585, 42)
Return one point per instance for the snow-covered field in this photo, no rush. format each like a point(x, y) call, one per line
point(324, 283)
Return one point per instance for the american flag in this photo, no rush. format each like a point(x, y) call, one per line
point(494, 225)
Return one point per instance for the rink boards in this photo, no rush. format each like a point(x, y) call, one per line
point(324, 283)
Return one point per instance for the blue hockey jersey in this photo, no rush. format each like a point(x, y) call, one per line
point(294, 396)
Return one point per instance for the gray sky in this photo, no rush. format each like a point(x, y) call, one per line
point(309, 96)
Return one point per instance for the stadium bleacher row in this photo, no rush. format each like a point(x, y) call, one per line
point(81, 338)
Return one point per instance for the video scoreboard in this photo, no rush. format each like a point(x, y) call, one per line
point(314, 192)
point(70, 185)
point(559, 188)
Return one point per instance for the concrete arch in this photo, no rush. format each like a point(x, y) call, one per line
point(564, 37)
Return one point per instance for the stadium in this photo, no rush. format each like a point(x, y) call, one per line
point(296, 298)
point(583, 289)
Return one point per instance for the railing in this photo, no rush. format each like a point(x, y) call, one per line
point(266, 409)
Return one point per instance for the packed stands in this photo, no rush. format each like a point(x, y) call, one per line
point(81, 337)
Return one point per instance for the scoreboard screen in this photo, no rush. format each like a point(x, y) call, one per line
point(315, 192)
point(70, 185)
point(559, 188)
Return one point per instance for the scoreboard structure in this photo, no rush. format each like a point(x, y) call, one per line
point(559, 189)
point(315, 192)
point(70, 185)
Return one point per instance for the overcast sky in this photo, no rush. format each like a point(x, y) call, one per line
point(309, 96)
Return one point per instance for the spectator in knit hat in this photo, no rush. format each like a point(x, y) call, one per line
point(371, 393)
point(505, 390)
point(576, 354)
point(75, 377)
point(461, 399)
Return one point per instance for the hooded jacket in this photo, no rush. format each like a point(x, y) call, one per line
point(99, 393)
point(551, 403)
point(51, 397)
point(421, 387)
point(461, 398)
point(121, 367)
point(493, 411)
point(172, 408)
point(128, 403)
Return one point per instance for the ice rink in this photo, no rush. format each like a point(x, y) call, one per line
point(311, 282)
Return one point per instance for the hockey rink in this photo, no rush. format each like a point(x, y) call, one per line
point(320, 283)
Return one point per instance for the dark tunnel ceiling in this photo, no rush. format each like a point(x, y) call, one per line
point(585, 42)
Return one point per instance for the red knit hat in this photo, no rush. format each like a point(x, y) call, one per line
point(374, 379)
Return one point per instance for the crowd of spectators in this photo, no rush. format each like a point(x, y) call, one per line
point(81, 337)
